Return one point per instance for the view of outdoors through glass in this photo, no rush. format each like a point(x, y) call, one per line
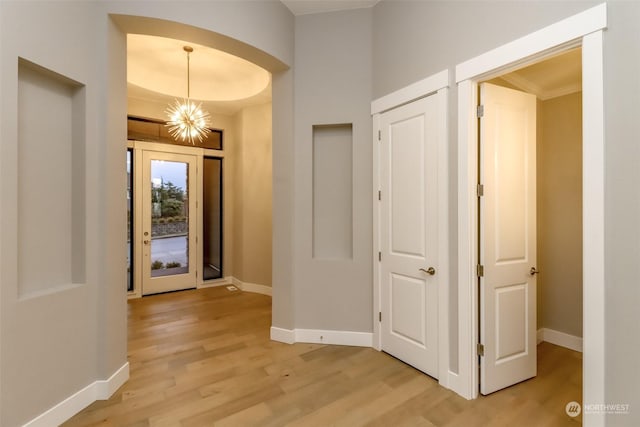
point(129, 219)
point(169, 218)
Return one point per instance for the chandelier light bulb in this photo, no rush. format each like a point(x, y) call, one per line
point(187, 121)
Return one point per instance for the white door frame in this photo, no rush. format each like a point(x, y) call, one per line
point(435, 85)
point(199, 153)
point(584, 29)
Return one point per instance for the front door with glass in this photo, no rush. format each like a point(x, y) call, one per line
point(169, 222)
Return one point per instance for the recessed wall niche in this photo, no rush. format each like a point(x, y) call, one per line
point(51, 181)
point(333, 191)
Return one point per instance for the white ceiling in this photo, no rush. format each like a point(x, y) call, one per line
point(306, 7)
point(157, 73)
point(557, 76)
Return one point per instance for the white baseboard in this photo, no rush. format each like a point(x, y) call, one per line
point(318, 336)
point(215, 283)
point(106, 388)
point(98, 390)
point(286, 336)
point(560, 338)
point(252, 287)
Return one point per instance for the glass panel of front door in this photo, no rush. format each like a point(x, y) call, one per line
point(169, 222)
point(169, 218)
point(130, 221)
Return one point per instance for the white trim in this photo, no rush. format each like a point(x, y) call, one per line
point(175, 149)
point(106, 388)
point(553, 36)
point(552, 336)
point(465, 381)
point(593, 321)
point(98, 390)
point(410, 93)
point(584, 28)
point(252, 287)
point(544, 95)
point(444, 283)
point(376, 339)
point(563, 91)
point(215, 283)
point(228, 280)
point(319, 336)
point(286, 336)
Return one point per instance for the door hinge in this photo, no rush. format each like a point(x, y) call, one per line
point(379, 135)
point(480, 270)
point(480, 190)
point(480, 111)
point(379, 256)
point(480, 349)
point(379, 195)
point(379, 316)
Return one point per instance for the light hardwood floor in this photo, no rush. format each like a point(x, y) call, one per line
point(204, 358)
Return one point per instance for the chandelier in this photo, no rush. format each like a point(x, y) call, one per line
point(187, 121)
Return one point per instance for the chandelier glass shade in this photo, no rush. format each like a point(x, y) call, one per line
point(187, 120)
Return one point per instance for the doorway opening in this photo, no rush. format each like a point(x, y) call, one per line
point(194, 209)
point(530, 217)
point(586, 30)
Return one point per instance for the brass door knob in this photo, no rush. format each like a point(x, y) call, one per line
point(431, 271)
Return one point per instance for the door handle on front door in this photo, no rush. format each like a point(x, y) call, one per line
point(533, 271)
point(431, 271)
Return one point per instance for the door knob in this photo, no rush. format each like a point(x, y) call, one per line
point(533, 271)
point(431, 271)
point(146, 242)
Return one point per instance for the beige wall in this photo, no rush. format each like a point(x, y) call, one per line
point(247, 188)
point(252, 229)
point(333, 86)
point(559, 183)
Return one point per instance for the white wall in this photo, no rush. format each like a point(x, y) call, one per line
point(413, 40)
point(416, 39)
point(333, 86)
point(54, 345)
point(338, 72)
point(49, 339)
point(622, 209)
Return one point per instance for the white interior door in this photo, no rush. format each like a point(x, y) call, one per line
point(507, 237)
point(168, 222)
point(409, 234)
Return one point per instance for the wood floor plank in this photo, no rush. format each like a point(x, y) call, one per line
point(204, 358)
